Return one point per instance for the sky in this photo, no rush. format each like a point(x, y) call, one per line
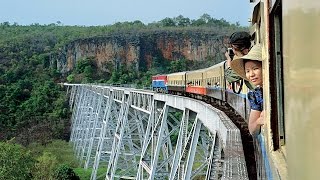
point(107, 12)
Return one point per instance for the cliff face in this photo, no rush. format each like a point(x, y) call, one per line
point(139, 49)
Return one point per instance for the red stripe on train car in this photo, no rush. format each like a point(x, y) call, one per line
point(196, 90)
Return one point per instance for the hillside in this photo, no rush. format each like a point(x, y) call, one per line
point(34, 58)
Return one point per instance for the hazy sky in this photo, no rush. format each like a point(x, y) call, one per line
point(106, 12)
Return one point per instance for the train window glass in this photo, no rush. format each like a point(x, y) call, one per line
point(276, 77)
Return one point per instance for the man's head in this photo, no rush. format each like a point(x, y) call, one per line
point(240, 43)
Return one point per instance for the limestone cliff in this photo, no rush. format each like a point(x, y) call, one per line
point(140, 48)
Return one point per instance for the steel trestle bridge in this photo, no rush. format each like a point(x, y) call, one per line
point(124, 133)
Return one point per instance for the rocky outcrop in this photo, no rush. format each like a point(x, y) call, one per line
point(139, 49)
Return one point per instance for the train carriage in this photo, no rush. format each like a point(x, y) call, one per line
point(195, 84)
point(177, 83)
point(214, 81)
point(288, 31)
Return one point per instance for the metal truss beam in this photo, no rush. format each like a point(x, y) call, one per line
point(135, 134)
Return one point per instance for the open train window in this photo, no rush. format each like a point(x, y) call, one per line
point(276, 76)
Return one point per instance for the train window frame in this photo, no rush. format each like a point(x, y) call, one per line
point(276, 79)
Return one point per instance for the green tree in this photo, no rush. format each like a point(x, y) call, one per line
point(64, 172)
point(168, 22)
point(45, 166)
point(70, 78)
point(16, 162)
point(182, 21)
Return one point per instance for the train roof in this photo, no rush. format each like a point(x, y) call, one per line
point(159, 75)
point(208, 68)
point(216, 65)
point(178, 73)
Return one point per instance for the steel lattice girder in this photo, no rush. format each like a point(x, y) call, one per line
point(144, 135)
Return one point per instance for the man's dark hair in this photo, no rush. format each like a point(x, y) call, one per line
point(241, 39)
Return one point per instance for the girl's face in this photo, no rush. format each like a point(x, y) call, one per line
point(253, 71)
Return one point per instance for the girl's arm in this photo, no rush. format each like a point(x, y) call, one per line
point(255, 121)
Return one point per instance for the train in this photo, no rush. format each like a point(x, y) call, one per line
point(207, 84)
point(288, 32)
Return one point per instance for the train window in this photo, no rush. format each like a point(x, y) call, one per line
point(276, 76)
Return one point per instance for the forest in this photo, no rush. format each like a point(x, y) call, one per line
point(34, 113)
